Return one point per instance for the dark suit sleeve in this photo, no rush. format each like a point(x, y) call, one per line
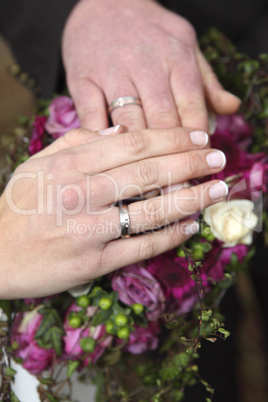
point(33, 29)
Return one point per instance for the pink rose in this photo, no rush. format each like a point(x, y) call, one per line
point(74, 335)
point(135, 284)
point(36, 141)
point(143, 339)
point(35, 358)
point(62, 117)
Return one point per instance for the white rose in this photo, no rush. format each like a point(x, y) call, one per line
point(232, 221)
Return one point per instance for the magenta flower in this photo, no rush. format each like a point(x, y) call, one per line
point(62, 117)
point(135, 284)
point(36, 141)
point(236, 126)
point(143, 339)
point(218, 258)
point(35, 359)
point(74, 335)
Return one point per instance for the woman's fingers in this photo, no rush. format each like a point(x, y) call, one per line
point(76, 137)
point(155, 173)
point(166, 209)
point(123, 252)
point(131, 147)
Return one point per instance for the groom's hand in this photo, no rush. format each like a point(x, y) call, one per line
point(115, 48)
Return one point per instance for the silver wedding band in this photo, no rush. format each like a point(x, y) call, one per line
point(124, 221)
point(123, 101)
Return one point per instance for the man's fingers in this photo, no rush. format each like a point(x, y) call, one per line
point(129, 115)
point(219, 100)
point(90, 104)
point(158, 102)
point(187, 87)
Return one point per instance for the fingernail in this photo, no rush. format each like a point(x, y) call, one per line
point(190, 229)
point(216, 159)
point(199, 138)
point(218, 190)
point(110, 130)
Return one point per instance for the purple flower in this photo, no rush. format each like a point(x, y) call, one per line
point(136, 285)
point(62, 117)
point(36, 141)
point(35, 358)
point(143, 339)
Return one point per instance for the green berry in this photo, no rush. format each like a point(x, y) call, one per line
point(88, 344)
point(105, 303)
point(180, 253)
point(95, 290)
point(82, 301)
point(210, 237)
point(198, 254)
point(75, 321)
point(121, 320)
point(123, 333)
point(137, 308)
point(109, 327)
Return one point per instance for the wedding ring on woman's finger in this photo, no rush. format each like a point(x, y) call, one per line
point(124, 221)
point(123, 101)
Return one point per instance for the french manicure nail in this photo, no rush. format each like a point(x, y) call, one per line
point(199, 138)
point(191, 228)
point(218, 190)
point(110, 130)
point(216, 159)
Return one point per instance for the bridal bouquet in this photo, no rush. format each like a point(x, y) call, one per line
point(136, 332)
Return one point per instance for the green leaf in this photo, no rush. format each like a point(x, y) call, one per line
point(13, 397)
point(6, 306)
point(9, 372)
point(71, 367)
point(182, 359)
point(169, 373)
point(51, 317)
point(100, 317)
point(46, 380)
point(54, 336)
point(224, 332)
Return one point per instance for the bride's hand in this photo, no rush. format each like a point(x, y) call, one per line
point(60, 223)
point(117, 48)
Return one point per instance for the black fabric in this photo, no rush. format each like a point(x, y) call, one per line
point(33, 29)
point(245, 22)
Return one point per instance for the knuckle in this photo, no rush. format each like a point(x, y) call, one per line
point(135, 143)
point(145, 173)
point(175, 137)
point(195, 199)
point(153, 213)
point(193, 165)
point(148, 249)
